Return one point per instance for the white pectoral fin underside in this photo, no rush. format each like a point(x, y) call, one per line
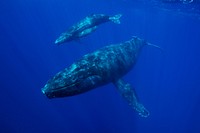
point(129, 94)
point(87, 31)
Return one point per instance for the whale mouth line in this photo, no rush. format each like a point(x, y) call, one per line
point(64, 87)
point(60, 88)
point(72, 84)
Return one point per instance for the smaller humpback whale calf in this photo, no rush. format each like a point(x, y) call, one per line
point(86, 26)
point(106, 65)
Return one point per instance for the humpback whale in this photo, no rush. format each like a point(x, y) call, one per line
point(106, 65)
point(86, 26)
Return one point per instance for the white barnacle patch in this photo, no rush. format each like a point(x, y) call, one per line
point(64, 75)
point(96, 53)
point(83, 62)
point(73, 67)
point(88, 20)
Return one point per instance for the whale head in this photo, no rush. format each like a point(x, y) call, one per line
point(64, 37)
point(71, 81)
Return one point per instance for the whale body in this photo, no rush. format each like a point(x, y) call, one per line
point(106, 65)
point(85, 27)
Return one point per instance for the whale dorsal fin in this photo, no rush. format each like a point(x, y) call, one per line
point(129, 94)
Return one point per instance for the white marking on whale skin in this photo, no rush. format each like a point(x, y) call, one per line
point(86, 21)
point(73, 67)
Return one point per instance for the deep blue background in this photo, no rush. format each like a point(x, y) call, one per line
point(168, 83)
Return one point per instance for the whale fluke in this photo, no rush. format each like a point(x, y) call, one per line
point(116, 18)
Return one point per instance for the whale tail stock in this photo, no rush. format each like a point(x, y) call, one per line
point(116, 18)
point(129, 94)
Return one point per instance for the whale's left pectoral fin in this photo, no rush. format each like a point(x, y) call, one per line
point(87, 31)
point(129, 94)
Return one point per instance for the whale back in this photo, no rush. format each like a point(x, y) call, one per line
point(114, 61)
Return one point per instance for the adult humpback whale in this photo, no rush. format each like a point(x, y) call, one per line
point(106, 65)
point(86, 26)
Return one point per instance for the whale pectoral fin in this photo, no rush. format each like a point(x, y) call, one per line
point(87, 31)
point(129, 94)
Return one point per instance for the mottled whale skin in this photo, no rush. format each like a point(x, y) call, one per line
point(106, 65)
point(86, 26)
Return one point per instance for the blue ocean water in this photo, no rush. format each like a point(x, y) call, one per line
point(166, 83)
